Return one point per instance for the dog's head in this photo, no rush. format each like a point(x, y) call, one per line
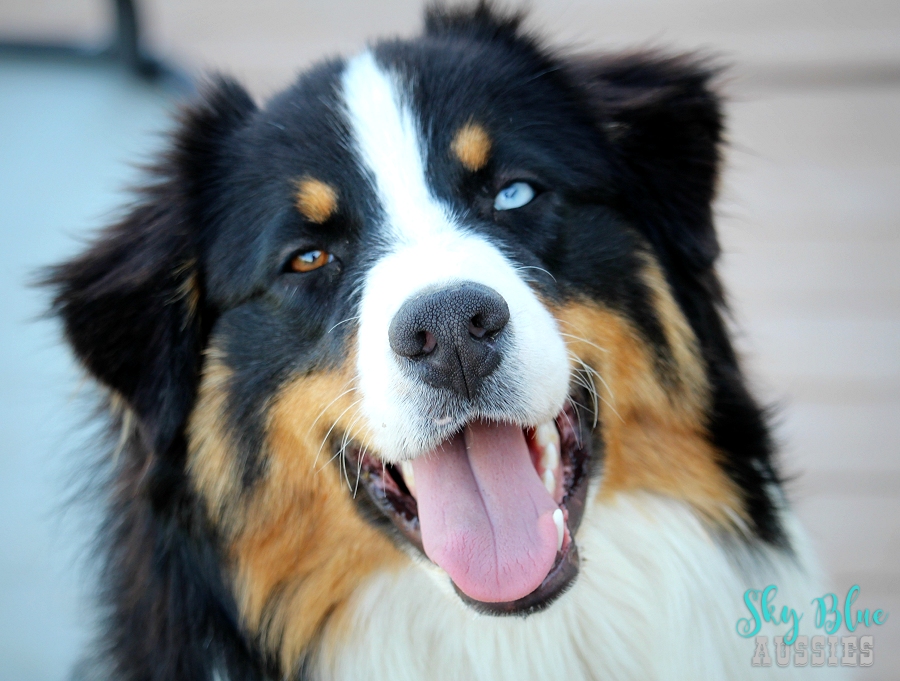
point(434, 300)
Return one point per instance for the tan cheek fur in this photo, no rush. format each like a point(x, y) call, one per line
point(316, 200)
point(655, 435)
point(472, 146)
point(297, 546)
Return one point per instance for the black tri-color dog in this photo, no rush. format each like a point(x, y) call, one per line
point(419, 372)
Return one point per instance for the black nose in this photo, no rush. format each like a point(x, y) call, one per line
point(452, 335)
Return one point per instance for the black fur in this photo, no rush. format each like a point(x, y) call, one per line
point(666, 125)
point(627, 149)
point(167, 613)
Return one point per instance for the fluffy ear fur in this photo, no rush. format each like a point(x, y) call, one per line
point(135, 314)
point(133, 304)
point(480, 21)
point(665, 125)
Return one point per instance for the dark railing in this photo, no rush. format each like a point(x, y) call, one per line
point(125, 47)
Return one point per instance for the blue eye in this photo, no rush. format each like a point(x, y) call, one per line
point(515, 195)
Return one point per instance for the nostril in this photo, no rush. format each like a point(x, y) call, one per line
point(490, 320)
point(428, 342)
point(476, 327)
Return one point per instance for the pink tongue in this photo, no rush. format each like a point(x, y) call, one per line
point(486, 518)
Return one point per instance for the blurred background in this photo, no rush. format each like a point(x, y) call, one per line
point(809, 218)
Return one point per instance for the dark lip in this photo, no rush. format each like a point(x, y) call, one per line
point(388, 493)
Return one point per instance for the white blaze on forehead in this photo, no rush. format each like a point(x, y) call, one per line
point(387, 139)
point(424, 247)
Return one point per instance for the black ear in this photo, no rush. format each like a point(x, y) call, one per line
point(133, 304)
point(665, 125)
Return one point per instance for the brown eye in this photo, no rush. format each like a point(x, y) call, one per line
point(310, 260)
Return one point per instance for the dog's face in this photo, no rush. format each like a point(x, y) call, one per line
point(429, 304)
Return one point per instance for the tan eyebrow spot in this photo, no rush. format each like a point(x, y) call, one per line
point(316, 200)
point(472, 146)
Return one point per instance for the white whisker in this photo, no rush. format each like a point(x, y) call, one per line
point(343, 321)
point(586, 381)
point(600, 378)
point(325, 408)
point(572, 425)
point(345, 440)
point(583, 340)
point(328, 434)
point(359, 469)
point(590, 373)
point(534, 267)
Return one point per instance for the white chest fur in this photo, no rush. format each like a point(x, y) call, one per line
point(657, 598)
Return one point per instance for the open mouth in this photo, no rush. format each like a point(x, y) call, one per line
point(496, 506)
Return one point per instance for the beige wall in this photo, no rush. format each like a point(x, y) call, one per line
point(267, 41)
point(809, 210)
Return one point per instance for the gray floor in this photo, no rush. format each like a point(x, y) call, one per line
point(809, 216)
point(68, 135)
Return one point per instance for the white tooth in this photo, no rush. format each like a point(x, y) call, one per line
point(410, 480)
point(550, 481)
point(550, 457)
point(560, 528)
point(546, 433)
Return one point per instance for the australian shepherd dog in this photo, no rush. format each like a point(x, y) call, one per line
point(420, 372)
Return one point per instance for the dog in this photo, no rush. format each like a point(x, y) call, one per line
point(420, 371)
